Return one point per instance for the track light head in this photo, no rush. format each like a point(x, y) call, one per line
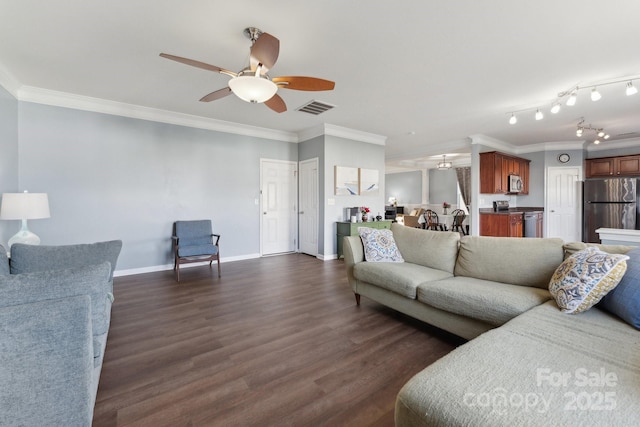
point(579, 132)
point(572, 99)
point(597, 141)
point(595, 95)
point(513, 119)
point(555, 108)
point(631, 89)
point(539, 115)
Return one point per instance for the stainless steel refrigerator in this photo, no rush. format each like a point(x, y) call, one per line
point(610, 203)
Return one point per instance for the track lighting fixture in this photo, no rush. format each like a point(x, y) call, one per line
point(600, 133)
point(571, 101)
point(555, 108)
point(631, 89)
point(513, 119)
point(595, 95)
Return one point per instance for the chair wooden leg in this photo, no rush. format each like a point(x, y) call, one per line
point(178, 272)
point(357, 299)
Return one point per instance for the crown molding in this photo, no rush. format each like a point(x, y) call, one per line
point(356, 135)
point(78, 102)
point(341, 132)
point(550, 146)
point(10, 83)
point(492, 142)
point(614, 145)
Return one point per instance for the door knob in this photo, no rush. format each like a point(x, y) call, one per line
point(264, 213)
point(301, 212)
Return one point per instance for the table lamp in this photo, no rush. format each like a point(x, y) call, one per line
point(24, 206)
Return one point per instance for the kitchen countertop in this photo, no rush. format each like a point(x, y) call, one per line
point(518, 210)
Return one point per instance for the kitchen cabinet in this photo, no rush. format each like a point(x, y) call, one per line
point(501, 225)
point(613, 166)
point(495, 168)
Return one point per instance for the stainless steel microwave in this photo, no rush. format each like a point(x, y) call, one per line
point(515, 184)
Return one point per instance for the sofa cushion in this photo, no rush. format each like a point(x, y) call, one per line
point(379, 245)
point(46, 363)
point(492, 302)
point(573, 247)
point(624, 299)
point(92, 280)
point(433, 249)
point(401, 278)
point(30, 258)
point(585, 277)
point(499, 258)
point(485, 381)
point(4, 261)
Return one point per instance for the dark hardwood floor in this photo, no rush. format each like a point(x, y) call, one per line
point(276, 341)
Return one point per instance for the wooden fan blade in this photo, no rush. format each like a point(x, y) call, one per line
point(264, 51)
point(221, 93)
point(198, 64)
point(303, 83)
point(276, 104)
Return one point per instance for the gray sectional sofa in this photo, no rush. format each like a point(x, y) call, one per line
point(55, 310)
point(526, 363)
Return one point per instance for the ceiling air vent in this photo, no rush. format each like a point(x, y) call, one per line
point(315, 107)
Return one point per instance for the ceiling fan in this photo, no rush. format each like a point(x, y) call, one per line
point(253, 84)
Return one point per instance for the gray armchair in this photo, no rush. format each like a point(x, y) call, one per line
point(194, 241)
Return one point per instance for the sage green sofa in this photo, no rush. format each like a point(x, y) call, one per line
point(526, 362)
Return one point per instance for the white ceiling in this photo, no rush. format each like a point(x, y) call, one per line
point(425, 74)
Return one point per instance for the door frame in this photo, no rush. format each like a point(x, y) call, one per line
point(294, 196)
point(579, 210)
point(315, 161)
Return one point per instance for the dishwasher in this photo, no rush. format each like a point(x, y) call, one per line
point(530, 224)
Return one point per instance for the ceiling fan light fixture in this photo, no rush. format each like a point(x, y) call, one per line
point(252, 88)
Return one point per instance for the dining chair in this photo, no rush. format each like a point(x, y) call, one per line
point(458, 218)
point(432, 222)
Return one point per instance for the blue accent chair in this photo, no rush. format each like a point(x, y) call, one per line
point(194, 241)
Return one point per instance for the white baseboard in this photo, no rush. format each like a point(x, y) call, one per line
point(165, 267)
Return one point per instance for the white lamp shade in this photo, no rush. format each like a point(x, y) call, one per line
point(24, 206)
point(253, 88)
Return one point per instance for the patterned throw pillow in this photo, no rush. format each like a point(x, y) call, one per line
point(379, 245)
point(585, 277)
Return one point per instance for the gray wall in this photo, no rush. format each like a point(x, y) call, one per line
point(406, 187)
point(443, 186)
point(346, 152)
point(111, 177)
point(8, 156)
point(535, 198)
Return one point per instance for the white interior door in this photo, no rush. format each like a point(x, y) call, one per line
point(308, 217)
point(563, 211)
point(279, 219)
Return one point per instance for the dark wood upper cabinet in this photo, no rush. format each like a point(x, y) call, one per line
point(495, 168)
point(613, 166)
